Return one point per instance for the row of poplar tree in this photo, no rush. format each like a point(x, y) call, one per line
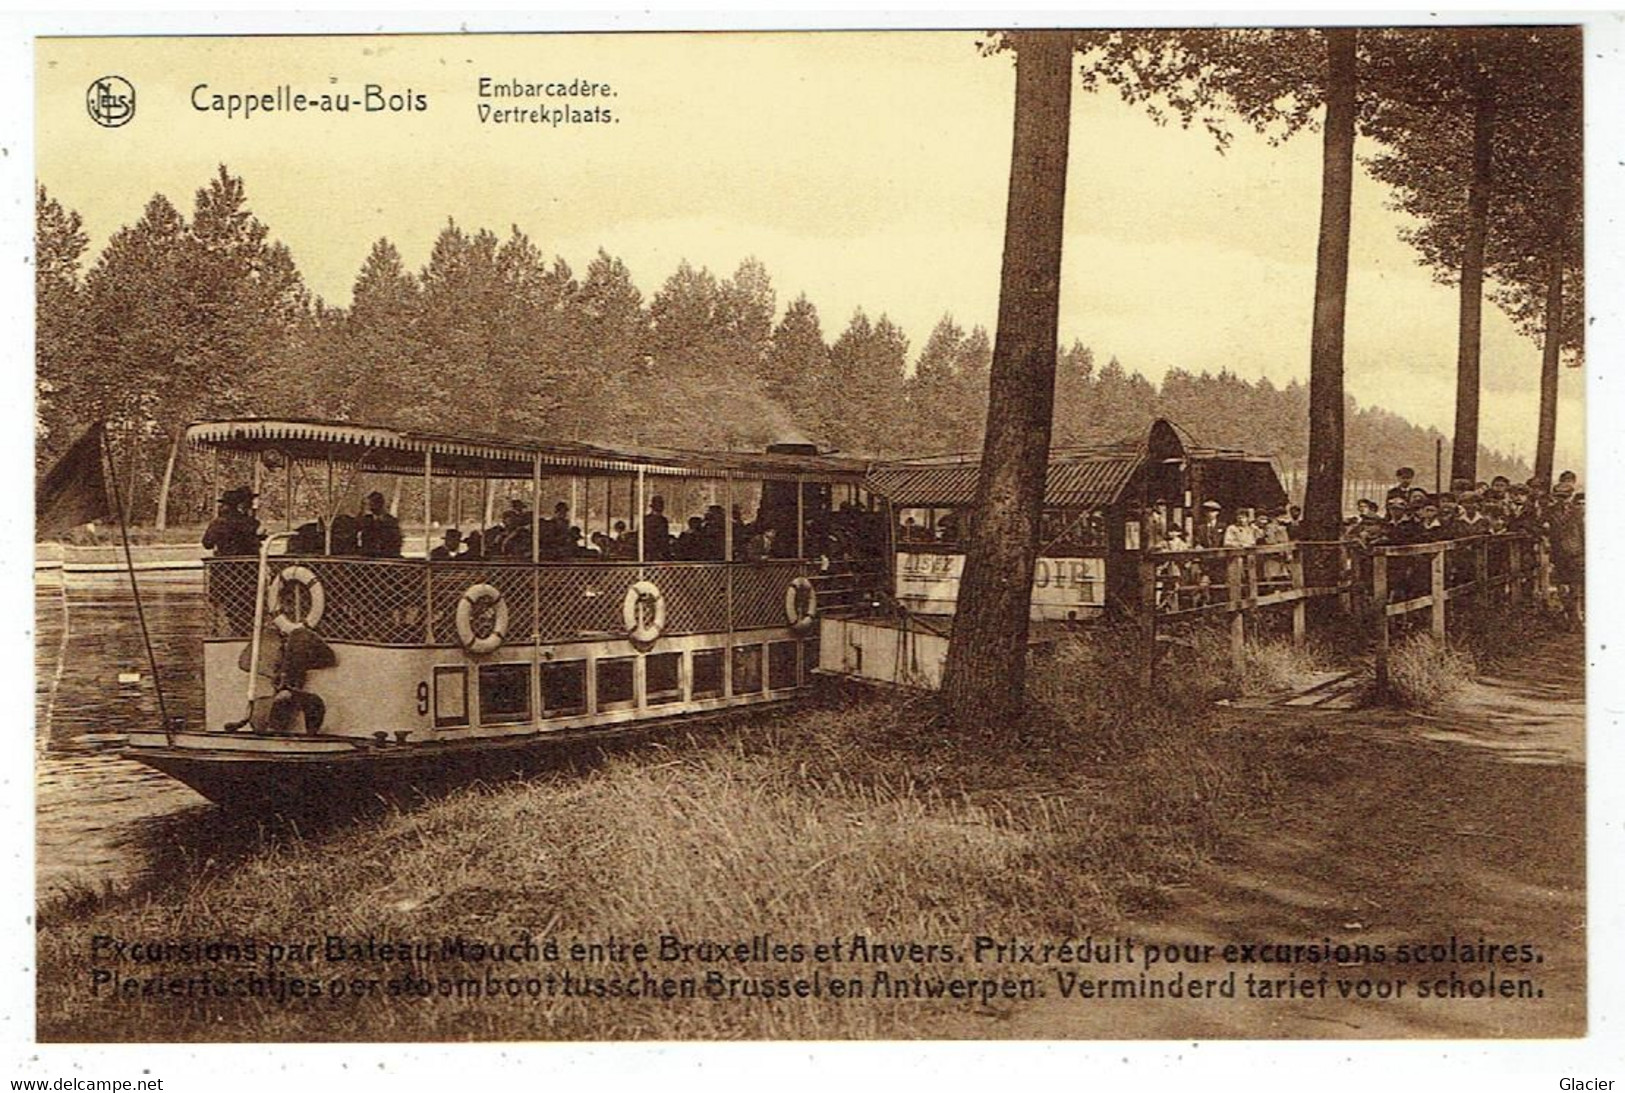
point(186, 317)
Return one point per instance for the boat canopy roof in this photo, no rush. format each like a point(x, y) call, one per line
point(387, 450)
point(1093, 476)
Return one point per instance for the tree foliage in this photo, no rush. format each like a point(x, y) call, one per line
point(494, 334)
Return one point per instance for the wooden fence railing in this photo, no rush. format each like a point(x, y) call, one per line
point(1427, 576)
point(1241, 581)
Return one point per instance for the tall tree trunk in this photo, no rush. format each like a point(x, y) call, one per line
point(1550, 360)
point(128, 516)
point(1464, 447)
point(1323, 494)
point(985, 674)
point(162, 520)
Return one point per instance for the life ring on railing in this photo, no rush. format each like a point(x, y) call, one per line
point(801, 605)
point(302, 577)
point(644, 631)
point(475, 596)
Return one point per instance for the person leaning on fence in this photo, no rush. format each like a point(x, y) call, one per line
point(1240, 532)
point(1209, 532)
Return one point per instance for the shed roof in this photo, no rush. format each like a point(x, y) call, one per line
point(1088, 482)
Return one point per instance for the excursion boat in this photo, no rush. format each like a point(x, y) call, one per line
point(326, 670)
point(1101, 505)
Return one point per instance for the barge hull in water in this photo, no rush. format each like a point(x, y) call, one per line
point(336, 777)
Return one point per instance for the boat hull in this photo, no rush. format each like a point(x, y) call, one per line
point(302, 775)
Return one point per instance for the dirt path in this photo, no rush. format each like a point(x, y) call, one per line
point(1397, 829)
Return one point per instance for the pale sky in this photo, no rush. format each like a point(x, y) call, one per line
point(863, 169)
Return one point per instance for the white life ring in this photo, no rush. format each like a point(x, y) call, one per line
point(801, 620)
point(476, 595)
point(644, 631)
point(312, 584)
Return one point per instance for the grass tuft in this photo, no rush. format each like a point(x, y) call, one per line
point(1427, 674)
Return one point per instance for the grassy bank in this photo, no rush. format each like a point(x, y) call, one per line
point(852, 816)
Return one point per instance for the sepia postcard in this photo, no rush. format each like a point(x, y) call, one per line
point(1070, 534)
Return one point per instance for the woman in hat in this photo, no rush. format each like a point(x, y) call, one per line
point(234, 531)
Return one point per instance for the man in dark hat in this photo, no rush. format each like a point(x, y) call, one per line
point(234, 531)
point(450, 549)
point(380, 533)
point(1406, 479)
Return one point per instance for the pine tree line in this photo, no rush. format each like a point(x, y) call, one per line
point(181, 318)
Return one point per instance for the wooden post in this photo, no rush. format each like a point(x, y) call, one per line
point(1379, 593)
point(428, 567)
point(1515, 571)
point(428, 503)
point(1543, 573)
point(1299, 607)
point(638, 522)
point(1148, 620)
point(1436, 568)
point(1481, 559)
point(728, 524)
point(801, 519)
point(1234, 568)
point(536, 509)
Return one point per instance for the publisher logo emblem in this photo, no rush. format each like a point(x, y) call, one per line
point(110, 101)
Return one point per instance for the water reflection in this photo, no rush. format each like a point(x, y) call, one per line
point(101, 819)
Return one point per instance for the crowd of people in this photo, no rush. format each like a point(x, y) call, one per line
point(1553, 515)
point(374, 532)
point(1410, 514)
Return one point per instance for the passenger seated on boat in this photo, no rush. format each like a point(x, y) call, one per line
point(516, 543)
point(603, 547)
point(690, 546)
point(234, 531)
point(759, 547)
point(657, 540)
point(309, 538)
point(714, 549)
point(494, 537)
point(380, 533)
point(449, 550)
point(474, 548)
point(346, 534)
point(554, 539)
point(300, 652)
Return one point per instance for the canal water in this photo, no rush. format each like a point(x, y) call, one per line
point(101, 819)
